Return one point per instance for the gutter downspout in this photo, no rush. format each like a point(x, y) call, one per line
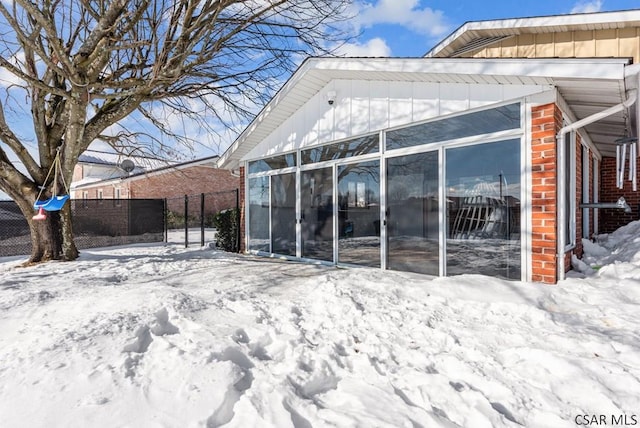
point(631, 99)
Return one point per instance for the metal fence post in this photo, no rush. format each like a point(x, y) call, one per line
point(165, 219)
point(202, 219)
point(186, 221)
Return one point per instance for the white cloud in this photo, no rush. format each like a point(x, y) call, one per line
point(587, 7)
point(7, 78)
point(406, 13)
point(373, 48)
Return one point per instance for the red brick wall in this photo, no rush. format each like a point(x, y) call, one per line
point(545, 124)
point(173, 185)
point(187, 181)
point(611, 219)
point(591, 192)
point(242, 210)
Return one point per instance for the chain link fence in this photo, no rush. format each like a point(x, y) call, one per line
point(190, 218)
point(96, 223)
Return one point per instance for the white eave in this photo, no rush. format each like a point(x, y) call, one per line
point(602, 81)
point(477, 34)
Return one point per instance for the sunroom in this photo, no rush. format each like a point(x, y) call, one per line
point(422, 165)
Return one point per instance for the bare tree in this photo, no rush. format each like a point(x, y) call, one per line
point(80, 66)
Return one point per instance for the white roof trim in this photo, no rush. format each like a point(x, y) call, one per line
point(540, 24)
point(318, 72)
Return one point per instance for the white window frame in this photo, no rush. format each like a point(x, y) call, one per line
point(522, 133)
point(567, 212)
point(586, 169)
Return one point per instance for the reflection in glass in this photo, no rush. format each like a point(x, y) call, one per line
point(275, 162)
point(483, 209)
point(316, 199)
point(359, 213)
point(345, 149)
point(477, 123)
point(259, 213)
point(283, 214)
point(412, 213)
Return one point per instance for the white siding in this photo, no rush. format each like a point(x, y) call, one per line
point(363, 107)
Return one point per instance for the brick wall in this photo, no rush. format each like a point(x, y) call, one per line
point(611, 219)
point(591, 192)
point(242, 210)
point(545, 124)
point(187, 181)
point(169, 184)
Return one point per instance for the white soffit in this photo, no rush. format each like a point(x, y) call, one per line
point(480, 33)
point(581, 75)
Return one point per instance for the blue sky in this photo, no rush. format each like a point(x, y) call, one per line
point(412, 27)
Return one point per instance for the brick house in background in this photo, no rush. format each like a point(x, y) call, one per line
point(101, 176)
point(498, 152)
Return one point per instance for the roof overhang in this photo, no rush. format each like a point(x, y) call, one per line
point(477, 34)
point(208, 162)
point(587, 85)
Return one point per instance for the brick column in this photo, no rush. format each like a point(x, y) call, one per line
point(241, 186)
point(545, 123)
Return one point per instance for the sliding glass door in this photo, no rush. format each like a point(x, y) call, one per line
point(259, 227)
point(283, 214)
point(359, 213)
point(316, 203)
point(483, 209)
point(412, 213)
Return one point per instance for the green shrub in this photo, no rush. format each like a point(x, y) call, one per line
point(226, 224)
point(175, 220)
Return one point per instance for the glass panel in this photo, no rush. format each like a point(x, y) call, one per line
point(359, 213)
point(276, 162)
point(346, 149)
point(259, 214)
point(412, 213)
point(569, 201)
point(483, 209)
point(283, 214)
point(481, 122)
point(316, 196)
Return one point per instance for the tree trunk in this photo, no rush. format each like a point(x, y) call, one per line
point(69, 249)
point(51, 238)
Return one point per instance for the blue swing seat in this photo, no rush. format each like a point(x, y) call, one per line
point(52, 204)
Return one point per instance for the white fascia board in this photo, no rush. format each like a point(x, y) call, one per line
point(98, 183)
point(577, 68)
point(538, 24)
point(323, 70)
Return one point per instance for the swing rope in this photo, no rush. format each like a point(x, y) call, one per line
point(55, 167)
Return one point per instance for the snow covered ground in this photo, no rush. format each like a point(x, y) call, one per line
point(161, 336)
